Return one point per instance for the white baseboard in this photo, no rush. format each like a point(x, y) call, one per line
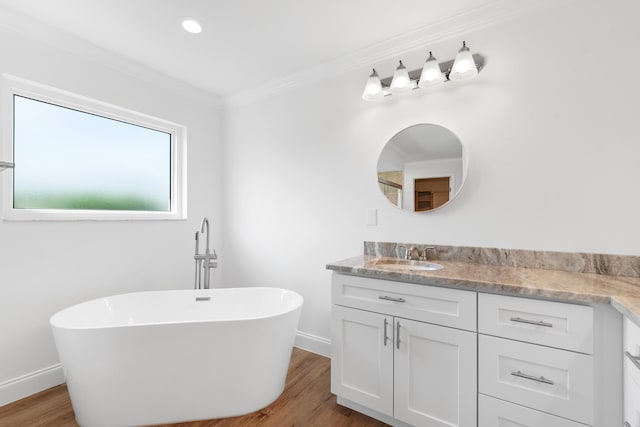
point(314, 344)
point(31, 383)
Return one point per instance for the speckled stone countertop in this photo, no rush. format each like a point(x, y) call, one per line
point(621, 292)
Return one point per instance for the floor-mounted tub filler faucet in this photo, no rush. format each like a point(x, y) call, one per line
point(204, 262)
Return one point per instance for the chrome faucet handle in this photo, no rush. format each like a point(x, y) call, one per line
point(405, 251)
point(424, 255)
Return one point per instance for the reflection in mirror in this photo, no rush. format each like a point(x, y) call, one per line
point(422, 167)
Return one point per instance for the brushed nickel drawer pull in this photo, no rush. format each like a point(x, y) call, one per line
point(532, 378)
point(386, 338)
point(388, 298)
point(635, 360)
point(532, 322)
point(398, 335)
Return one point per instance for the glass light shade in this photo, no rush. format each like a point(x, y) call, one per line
point(191, 25)
point(401, 83)
point(431, 74)
point(373, 88)
point(464, 67)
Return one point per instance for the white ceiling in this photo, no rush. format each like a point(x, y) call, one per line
point(426, 142)
point(245, 43)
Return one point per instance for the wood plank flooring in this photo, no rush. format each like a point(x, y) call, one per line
point(306, 401)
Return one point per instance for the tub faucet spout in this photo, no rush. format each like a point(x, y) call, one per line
point(204, 262)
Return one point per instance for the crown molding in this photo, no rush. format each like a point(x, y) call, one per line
point(61, 40)
point(482, 17)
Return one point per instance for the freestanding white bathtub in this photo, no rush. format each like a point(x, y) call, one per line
point(170, 356)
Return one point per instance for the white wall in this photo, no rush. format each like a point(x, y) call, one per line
point(391, 161)
point(551, 130)
point(46, 266)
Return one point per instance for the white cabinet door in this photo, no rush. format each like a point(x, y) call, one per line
point(631, 365)
point(435, 369)
point(631, 401)
point(362, 358)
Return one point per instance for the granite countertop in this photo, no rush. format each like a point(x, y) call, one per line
point(621, 292)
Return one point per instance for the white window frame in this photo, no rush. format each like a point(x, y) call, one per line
point(12, 85)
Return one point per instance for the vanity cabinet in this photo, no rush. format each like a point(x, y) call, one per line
point(631, 368)
point(387, 358)
point(422, 355)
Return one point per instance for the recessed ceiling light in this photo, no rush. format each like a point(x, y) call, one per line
point(191, 25)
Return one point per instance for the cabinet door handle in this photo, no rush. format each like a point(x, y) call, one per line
point(532, 322)
point(398, 335)
point(531, 377)
point(635, 360)
point(388, 298)
point(385, 331)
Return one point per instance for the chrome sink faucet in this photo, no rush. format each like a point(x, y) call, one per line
point(413, 253)
point(204, 262)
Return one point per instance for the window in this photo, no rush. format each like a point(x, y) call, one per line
point(77, 158)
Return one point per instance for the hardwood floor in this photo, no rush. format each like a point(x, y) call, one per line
point(306, 401)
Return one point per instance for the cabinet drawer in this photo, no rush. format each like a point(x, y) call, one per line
point(632, 347)
point(547, 379)
point(631, 336)
point(443, 306)
point(494, 412)
point(553, 324)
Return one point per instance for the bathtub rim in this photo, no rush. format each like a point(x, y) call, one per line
point(55, 323)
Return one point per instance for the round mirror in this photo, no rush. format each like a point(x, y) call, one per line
point(422, 168)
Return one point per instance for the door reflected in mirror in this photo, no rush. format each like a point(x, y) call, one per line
point(422, 168)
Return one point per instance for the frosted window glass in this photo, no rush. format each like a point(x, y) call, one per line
point(69, 159)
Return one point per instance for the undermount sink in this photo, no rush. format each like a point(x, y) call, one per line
point(405, 265)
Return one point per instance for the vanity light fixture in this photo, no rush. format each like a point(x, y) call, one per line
point(431, 74)
point(191, 25)
point(401, 82)
point(464, 66)
point(373, 88)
